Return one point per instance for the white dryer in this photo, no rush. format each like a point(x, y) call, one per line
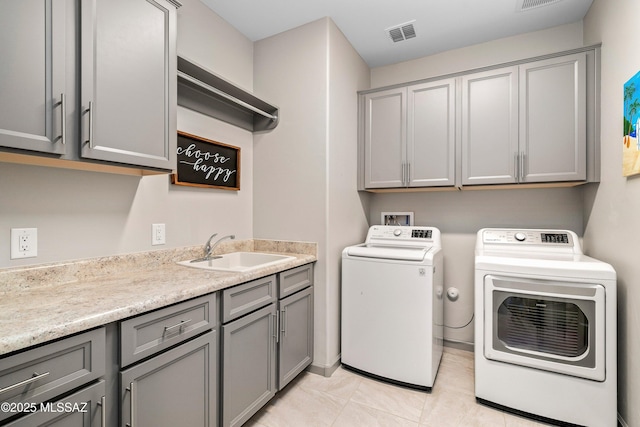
point(392, 305)
point(545, 332)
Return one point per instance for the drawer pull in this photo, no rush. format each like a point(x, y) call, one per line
point(103, 410)
point(132, 389)
point(169, 329)
point(36, 377)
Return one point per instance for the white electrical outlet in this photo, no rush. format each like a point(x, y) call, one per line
point(158, 235)
point(24, 243)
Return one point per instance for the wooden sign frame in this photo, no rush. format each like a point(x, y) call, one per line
point(205, 163)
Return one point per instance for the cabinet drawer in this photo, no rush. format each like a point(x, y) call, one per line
point(245, 298)
point(84, 408)
point(291, 281)
point(40, 374)
point(147, 334)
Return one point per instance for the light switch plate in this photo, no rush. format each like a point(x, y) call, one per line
point(24, 243)
point(158, 234)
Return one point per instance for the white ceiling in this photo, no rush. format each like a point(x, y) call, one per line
point(439, 24)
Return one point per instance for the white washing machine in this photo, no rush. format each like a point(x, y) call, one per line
point(392, 305)
point(545, 332)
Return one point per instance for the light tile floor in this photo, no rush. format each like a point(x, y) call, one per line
point(347, 399)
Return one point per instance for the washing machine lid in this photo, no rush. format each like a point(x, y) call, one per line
point(402, 253)
point(402, 243)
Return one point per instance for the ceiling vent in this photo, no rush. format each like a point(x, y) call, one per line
point(401, 32)
point(524, 5)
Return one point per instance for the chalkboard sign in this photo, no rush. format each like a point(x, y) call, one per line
point(206, 163)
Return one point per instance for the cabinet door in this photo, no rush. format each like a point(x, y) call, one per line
point(84, 408)
point(553, 119)
point(128, 85)
point(175, 388)
point(385, 126)
point(248, 365)
point(431, 134)
point(490, 127)
point(32, 74)
point(296, 335)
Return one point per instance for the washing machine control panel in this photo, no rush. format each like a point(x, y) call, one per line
point(527, 237)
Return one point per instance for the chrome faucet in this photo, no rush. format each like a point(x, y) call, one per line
point(209, 248)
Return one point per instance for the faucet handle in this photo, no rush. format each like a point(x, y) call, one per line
point(207, 246)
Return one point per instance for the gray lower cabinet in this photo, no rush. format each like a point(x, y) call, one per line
point(295, 347)
point(267, 340)
point(32, 78)
point(128, 82)
point(39, 376)
point(84, 408)
point(175, 388)
point(169, 366)
point(248, 348)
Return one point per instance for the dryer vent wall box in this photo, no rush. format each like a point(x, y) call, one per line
point(396, 218)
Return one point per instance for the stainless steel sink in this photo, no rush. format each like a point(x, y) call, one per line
point(238, 261)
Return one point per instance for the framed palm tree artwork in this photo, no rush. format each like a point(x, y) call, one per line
point(631, 131)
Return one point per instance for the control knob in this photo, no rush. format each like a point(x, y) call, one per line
point(520, 237)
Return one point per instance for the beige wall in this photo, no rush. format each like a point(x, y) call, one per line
point(611, 208)
point(87, 214)
point(459, 215)
point(304, 173)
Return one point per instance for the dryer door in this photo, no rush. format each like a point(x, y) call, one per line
point(551, 325)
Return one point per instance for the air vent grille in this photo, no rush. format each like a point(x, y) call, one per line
point(524, 5)
point(402, 32)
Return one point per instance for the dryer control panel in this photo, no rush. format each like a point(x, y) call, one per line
point(529, 237)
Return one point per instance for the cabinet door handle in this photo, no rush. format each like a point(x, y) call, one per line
point(90, 111)
point(276, 326)
point(36, 377)
point(103, 411)
point(168, 329)
point(63, 118)
point(283, 320)
point(132, 413)
point(522, 167)
point(408, 174)
point(516, 160)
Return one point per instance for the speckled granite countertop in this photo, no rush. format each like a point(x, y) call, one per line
point(42, 303)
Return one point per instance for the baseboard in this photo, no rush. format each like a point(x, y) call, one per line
point(460, 345)
point(325, 371)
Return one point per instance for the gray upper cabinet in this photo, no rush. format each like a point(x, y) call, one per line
point(409, 136)
point(128, 82)
point(490, 127)
point(553, 119)
point(431, 134)
point(385, 129)
point(526, 124)
point(33, 49)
